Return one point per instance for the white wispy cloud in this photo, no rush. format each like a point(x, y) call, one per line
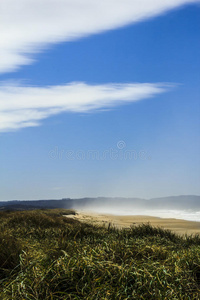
point(28, 26)
point(24, 106)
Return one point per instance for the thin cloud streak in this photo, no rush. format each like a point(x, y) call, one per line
point(23, 106)
point(28, 26)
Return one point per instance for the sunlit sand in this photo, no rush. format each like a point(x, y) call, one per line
point(176, 225)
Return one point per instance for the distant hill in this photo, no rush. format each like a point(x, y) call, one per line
point(189, 202)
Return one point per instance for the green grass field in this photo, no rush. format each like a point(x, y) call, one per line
point(47, 256)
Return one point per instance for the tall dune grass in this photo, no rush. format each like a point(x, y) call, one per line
point(47, 256)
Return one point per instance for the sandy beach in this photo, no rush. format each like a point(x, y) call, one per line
point(176, 225)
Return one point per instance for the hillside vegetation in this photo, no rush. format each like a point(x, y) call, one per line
point(47, 256)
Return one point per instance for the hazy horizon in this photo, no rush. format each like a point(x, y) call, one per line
point(175, 207)
point(95, 197)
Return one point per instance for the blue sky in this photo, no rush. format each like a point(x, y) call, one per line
point(99, 106)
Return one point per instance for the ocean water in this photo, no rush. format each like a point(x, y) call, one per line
point(177, 214)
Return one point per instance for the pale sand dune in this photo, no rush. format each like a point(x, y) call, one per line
point(176, 225)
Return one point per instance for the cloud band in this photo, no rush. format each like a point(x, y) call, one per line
point(27, 26)
point(23, 106)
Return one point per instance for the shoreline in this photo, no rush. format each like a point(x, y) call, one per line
point(125, 221)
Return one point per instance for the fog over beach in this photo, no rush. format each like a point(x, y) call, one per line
point(189, 215)
point(178, 207)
